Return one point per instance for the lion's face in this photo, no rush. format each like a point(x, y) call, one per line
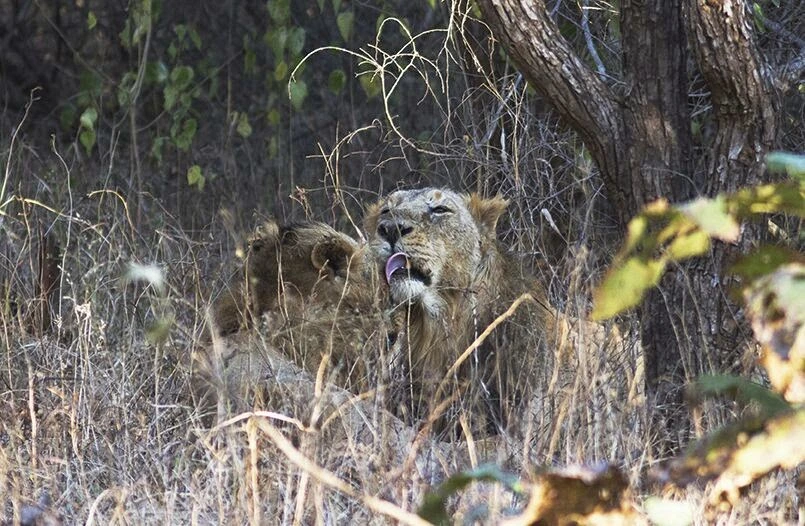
point(430, 243)
point(301, 260)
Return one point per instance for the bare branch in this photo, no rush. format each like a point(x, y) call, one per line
point(552, 67)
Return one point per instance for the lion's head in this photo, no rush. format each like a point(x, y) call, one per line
point(298, 262)
point(433, 244)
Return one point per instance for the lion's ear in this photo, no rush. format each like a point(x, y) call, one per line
point(370, 218)
point(333, 255)
point(264, 235)
point(487, 211)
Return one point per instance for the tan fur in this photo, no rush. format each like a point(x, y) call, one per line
point(318, 306)
point(327, 296)
point(297, 262)
point(450, 239)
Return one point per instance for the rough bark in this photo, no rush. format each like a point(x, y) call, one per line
point(642, 145)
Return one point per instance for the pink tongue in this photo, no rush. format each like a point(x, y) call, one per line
point(395, 263)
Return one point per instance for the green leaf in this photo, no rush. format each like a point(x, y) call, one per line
point(273, 147)
point(276, 40)
point(785, 197)
point(171, 95)
point(195, 38)
point(740, 389)
point(88, 118)
point(273, 117)
point(336, 81)
point(345, 22)
point(195, 177)
point(296, 41)
point(280, 71)
point(788, 163)
point(180, 30)
point(371, 85)
point(156, 72)
point(298, 93)
point(759, 17)
point(434, 509)
point(336, 5)
point(87, 138)
point(181, 77)
point(712, 217)
point(764, 261)
point(92, 21)
point(243, 128)
point(321, 5)
point(625, 285)
point(67, 117)
point(156, 148)
point(688, 245)
point(279, 10)
point(183, 138)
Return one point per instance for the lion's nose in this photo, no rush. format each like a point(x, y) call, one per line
point(392, 231)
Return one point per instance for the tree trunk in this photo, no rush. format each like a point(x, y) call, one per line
point(641, 142)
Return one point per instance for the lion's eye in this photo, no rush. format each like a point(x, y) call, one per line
point(440, 210)
point(385, 210)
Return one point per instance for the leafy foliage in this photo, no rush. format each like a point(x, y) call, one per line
point(665, 233)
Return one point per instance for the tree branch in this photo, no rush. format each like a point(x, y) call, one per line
point(579, 96)
point(740, 85)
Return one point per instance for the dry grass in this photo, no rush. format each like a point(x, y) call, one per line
point(97, 413)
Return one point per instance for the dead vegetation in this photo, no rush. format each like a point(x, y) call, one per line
point(100, 422)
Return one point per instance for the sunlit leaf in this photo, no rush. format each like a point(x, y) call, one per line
point(634, 233)
point(666, 512)
point(88, 118)
point(92, 21)
point(195, 177)
point(788, 197)
point(691, 244)
point(625, 285)
point(780, 445)
point(712, 217)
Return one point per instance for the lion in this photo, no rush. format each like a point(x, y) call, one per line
point(448, 278)
point(306, 285)
point(305, 261)
point(401, 311)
